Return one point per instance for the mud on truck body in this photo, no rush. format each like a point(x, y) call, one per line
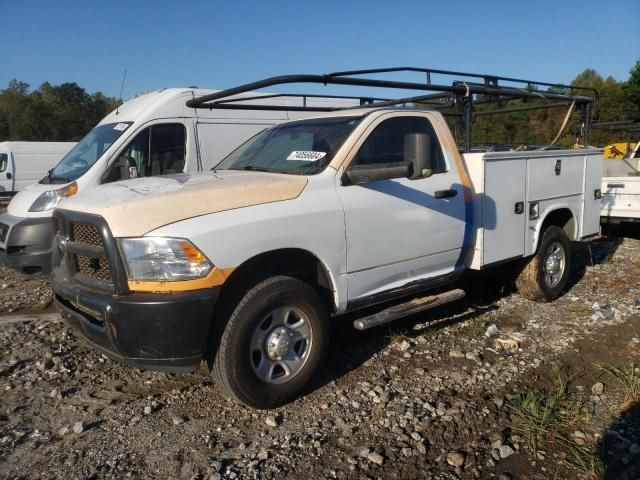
point(245, 265)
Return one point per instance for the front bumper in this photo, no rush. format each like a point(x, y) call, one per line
point(26, 244)
point(156, 331)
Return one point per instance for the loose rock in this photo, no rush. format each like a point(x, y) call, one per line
point(376, 458)
point(271, 421)
point(597, 388)
point(506, 451)
point(455, 459)
point(78, 427)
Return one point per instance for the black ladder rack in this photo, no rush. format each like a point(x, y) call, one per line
point(460, 93)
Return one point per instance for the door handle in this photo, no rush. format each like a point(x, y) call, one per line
point(9, 176)
point(446, 193)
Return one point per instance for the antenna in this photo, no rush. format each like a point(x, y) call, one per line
point(121, 89)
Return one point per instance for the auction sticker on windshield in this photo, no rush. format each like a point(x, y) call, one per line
point(121, 127)
point(306, 156)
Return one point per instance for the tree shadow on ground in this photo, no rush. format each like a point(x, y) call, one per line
point(619, 448)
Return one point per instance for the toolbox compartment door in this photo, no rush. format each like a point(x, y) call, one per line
point(503, 223)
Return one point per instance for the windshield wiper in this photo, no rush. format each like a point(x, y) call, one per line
point(53, 178)
point(253, 168)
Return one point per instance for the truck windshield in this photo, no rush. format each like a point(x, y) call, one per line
point(86, 153)
point(303, 147)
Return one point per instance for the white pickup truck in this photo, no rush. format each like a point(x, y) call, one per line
point(245, 265)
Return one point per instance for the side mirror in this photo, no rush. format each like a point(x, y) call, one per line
point(417, 152)
point(357, 174)
point(128, 168)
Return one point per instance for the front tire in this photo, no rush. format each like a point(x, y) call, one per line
point(273, 343)
point(545, 275)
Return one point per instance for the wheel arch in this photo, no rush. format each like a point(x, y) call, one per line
point(296, 262)
point(562, 217)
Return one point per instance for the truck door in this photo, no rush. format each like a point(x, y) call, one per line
point(401, 231)
point(6, 173)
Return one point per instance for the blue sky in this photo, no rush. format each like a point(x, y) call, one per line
point(216, 44)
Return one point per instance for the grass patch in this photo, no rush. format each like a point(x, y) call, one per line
point(547, 418)
point(627, 378)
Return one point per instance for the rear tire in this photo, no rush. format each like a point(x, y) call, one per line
point(545, 275)
point(273, 343)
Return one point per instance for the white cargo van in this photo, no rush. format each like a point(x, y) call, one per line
point(24, 163)
point(152, 134)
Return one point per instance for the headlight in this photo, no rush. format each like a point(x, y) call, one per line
point(163, 259)
point(50, 199)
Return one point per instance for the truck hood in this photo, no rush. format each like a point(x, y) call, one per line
point(135, 207)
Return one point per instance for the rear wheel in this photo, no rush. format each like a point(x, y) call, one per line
point(545, 275)
point(272, 344)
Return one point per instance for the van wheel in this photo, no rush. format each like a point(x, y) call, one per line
point(273, 343)
point(545, 275)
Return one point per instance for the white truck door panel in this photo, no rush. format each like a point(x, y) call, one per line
point(503, 227)
point(397, 230)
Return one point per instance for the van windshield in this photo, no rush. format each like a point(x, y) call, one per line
point(303, 147)
point(86, 153)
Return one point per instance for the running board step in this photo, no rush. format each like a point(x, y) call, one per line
point(404, 309)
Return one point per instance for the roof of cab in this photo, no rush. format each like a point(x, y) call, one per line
point(358, 112)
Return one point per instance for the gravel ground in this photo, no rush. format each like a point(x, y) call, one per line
point(22, 294)
point(426, 398)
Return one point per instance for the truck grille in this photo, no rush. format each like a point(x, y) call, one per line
point(86, 234)
point(94, 267)
point(87, 253)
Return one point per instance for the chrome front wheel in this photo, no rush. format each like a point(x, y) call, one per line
point(273, 342)
point(280, 345)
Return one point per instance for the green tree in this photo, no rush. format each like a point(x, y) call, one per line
point(13, 102)
point(50, 113)
point(632, 93)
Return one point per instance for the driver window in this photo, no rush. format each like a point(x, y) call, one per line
point(157, 150)
point(387, 142)
point(167, 150)
point(138, 150)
